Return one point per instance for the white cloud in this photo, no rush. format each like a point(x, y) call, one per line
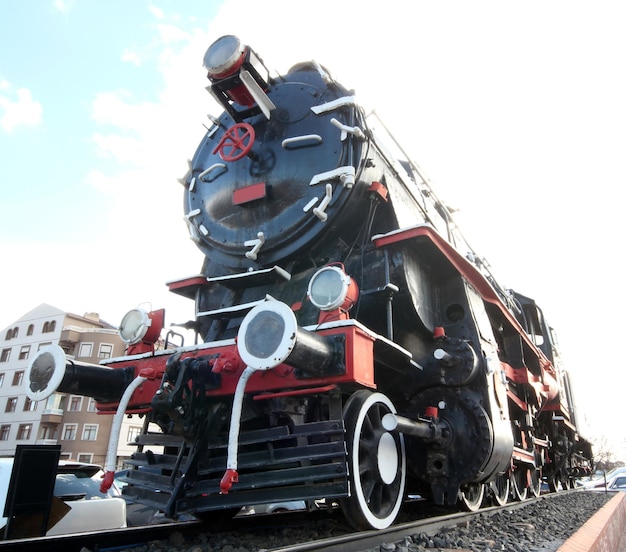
point(63, 6)
point(131, 57)
point(172, 33)
point(157, 12)
point(121, 111)
point(18, 108)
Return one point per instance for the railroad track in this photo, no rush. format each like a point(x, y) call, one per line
point(343, 539)
point(363, 540)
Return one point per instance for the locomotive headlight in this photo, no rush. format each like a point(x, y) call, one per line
point(139, 325)
point(267, 335)
point(331, 288)
point(224, 56)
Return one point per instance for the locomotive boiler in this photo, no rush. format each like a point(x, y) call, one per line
point(350, 345)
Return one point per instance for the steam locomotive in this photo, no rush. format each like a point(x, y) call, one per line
point(350, 345)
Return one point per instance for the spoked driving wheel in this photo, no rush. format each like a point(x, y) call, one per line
point(471, 496)
point(535, 483)
point(377, 462)
point(519, 488)
point(500, 489)
point(558, 482)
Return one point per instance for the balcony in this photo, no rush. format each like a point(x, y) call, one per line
point(52, 416)
point(46, 442)
point(69, 338)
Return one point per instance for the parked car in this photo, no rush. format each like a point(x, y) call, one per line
point(138, 514)
point(274, 507)
point(78, 485)
point(618, 484)
point(613, 480)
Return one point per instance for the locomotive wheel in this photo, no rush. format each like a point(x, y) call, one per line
point(518, 484)
point(376, 460)
point(559, 482)
point(535, 483)
point(471, 496)
point(500, 489)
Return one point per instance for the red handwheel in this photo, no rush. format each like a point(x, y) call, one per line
point(236, 142)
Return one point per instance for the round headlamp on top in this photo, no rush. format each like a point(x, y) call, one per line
point(141, 326)
point(331, 288)
point(224, 57)
point(134, 326)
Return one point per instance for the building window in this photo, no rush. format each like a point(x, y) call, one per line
point(85, 349)
point(48, 432)
point(49, 326)
point(65, 456)
point(105, 350)
point(76, 403)
point(69, 432)
point(11, 404)
point(24, 352)
point(5, 429)
point(12, 333)
point(4, 356)
point(85, 457)
point(18, 377)
point(23, 432)
point(31, 329)
point(133, 433)
point(30, 406)
point(1, 378)
point(90, 432)
point(42, 345)
point(91, 405)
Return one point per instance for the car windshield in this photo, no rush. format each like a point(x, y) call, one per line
point(80, 484)
point(615, 471)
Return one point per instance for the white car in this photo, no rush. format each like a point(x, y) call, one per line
point(78, 485)
point(613, 480)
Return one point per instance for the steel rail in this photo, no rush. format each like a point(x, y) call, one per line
point(359, 541)
point(130, 537)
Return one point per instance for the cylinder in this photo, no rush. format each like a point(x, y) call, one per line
point(417, 428)
point(50, 372)
point(312, 353)
point(269, 336)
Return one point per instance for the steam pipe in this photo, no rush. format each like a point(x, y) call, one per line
point(111, 457)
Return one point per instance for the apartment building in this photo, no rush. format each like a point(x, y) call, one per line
point(69, 420)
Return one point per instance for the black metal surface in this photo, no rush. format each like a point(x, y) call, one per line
point(286, 173)
point(302, 463)
point(30, 492)
point(103, 384)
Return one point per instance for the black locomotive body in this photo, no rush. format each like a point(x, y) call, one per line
point(352, 347)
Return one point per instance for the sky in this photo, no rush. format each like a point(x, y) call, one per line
point(514, 110)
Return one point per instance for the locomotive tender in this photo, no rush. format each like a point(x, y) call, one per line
point(350, 344)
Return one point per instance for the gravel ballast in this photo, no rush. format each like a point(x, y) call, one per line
point(541, 526)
